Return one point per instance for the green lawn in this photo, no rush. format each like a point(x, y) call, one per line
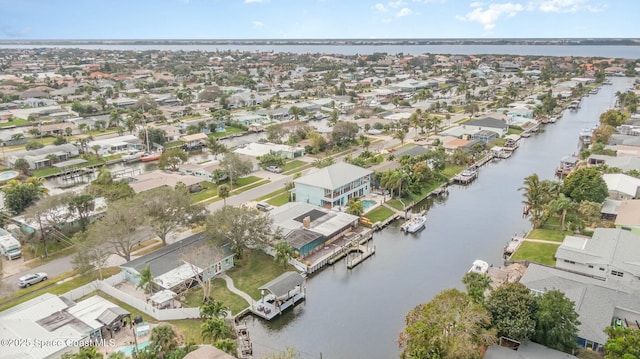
point(219, 292)
point(208, 190)
point(396, 204)
point(272, 194)
point(246, 180)
point(44, 172)
point(279, 200)
point(417, 197)
point(173, 144)
point(450, 170)
point(378, 214)
point(293, 164)
point(254, 270)
point(514, 131)
point(228, 131)
point(14, 122)
point(543, 253)
point(548, 234)
point(251, 186)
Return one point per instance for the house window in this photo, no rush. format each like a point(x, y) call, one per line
point(590, 266)
point(617, 274)
point(568, 261)
point(602, 269)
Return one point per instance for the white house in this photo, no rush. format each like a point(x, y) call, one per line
point(114, 145)
point(256, 149)
point(611, 254)
point(621, 186)
point(41, 157)
point(334, 185)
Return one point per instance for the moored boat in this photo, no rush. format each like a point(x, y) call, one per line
point(132, 156)
point(414, 224)
point(479, 266)
point(150, 157)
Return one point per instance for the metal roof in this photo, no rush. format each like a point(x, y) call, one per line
point(111, 315)
point(334, 176)
point(281, 286)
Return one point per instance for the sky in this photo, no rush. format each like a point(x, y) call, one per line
point(317, 19)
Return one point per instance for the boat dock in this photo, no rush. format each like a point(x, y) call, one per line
point(340, 248)
point(512, 246)
point(279, 294)
point(245, 347)
point(467, 176)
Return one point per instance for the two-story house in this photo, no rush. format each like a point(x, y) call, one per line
point(334, 185)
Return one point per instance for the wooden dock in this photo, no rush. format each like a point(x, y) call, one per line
point(512, 246)
point(361, 254)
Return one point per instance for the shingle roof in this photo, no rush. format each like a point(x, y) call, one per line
point(283, 284)
point(622, 183)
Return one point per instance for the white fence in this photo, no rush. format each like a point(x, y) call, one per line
point(107, 286)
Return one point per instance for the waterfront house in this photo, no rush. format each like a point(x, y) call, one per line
point(567, 165)
point(174, 266)
point(194, 141)
point(150, 180)
point(598, 303)
point(306, 227)
point(487, 123)
point(334, 185)
point(621, 186)
point(525, 350)
point(211, 171)
point(624, 163)
point(115, 145)
point(255, 149)
point(46, 156)
point(610, 254)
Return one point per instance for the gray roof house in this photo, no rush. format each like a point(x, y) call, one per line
point(611, 253)
point(174, 267)
point(38, 158)
point(623, 163)
point(488, 123)
point(526, 350)
point(597, 302)
point(334, 185)
point(621, 186)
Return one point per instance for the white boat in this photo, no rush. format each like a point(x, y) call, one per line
point(479, 266)
point(414, 224)
point(132, 156)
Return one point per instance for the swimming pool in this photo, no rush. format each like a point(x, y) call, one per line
point(128, 349)
point(368, 203)
point(5, 176)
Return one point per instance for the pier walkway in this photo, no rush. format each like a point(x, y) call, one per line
point(235, 290)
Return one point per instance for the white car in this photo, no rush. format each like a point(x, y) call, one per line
point(32, 278)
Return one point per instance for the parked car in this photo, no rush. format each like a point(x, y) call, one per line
point(30, 279)
point(265, 207)
point(274, 169)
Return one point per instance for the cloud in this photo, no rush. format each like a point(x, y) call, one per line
point(379, 7)
point(404, 12)
point(254, 1)
point(257, 23)
point(9, 31)
point(563, 6)
point(396, 4)
point(491, 14)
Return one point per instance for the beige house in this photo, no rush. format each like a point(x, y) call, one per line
point(155, 179)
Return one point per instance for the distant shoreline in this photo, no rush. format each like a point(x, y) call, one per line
point(334, 42)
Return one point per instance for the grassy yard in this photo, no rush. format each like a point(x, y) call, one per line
point(378, 214)
point(246, 181)
point(14, 122)
point(396, 204)
point(272, 194)
point(250, 186)
point(254, 270)
point(548, 234)
point(543, 253)
point(514, 131)
point(279, 200)
point(228, 131)
point(450, 171)
point(416, 197)
point(208, 190)
point(50, 286)
point(293, 165)
point(219, 292)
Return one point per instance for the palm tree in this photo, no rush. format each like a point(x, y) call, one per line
point(561, 206)
point(400, 135)
point(533, 194)
point(223, 192)
point(215, 146)
point(477, 284)
point(212, 309)
point(214, 329)
point(227, 345)
point(164, 337)
point(88, 352)
point(23, 166)
point(354, 207)
point(284, 252)
point(296, 112)
point(146, 280)
point(116, 355)
point(95, 149)
point(36, 184)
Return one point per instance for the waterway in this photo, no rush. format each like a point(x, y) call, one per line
point(359, 313)
point(626, 52)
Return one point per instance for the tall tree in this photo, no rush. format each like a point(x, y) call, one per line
point(556, 322)
point(214, 329)
point(534, 201)
point(238, 226)
point(355, 207)
point(23, 166)
point(223, 192)
point(172, 159)
point(235, 167)
point(164, 337)
point(82, 205)
point(90, 255)
point(512, 308)
point(168, 209)
point(284, 252)
point(50, 215)
point(477, 284)
point(215, 146)
point(344, 132)
point(449, 326)
point(623, 343)
point(585, 184)
point(560, 207)
point(146, 280)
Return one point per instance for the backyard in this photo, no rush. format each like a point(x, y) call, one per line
point(379, 214)
point(543, 253)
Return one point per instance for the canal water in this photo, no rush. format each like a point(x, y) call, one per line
point(359, 313)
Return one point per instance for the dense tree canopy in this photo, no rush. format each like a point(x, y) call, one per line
point(613, 118)
point(513, 307)
point(585, 184)
point(238, 227)
point(623, 343)
point(556, 322)
point(450, 326)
